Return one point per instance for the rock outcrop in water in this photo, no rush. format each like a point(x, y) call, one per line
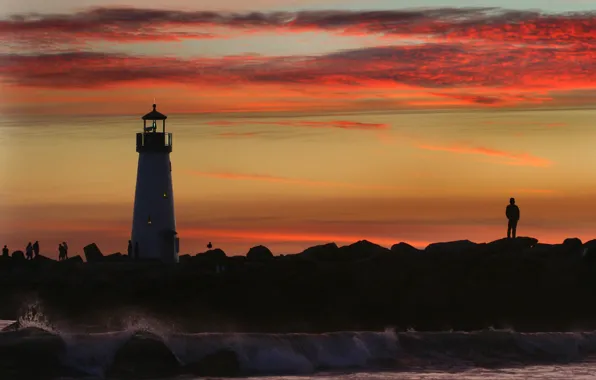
point(520, 284)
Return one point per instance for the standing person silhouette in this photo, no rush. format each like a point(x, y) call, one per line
point(512, 213)
point(36, 249)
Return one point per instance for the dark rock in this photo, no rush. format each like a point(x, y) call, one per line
point(30, 354)
point(451, 247)
point(325, 252)
point(222, 363)
point(44, 260)
point(361, 250)
point(589, 250)
point(259, 253)
point(512, 245)
point(75, 260)
point(115, 257)
point(541, 249)
point(213, 254)
point(92, 253)
point(573, 245)
point(404, 248)
point(184, 259)
point(144, 355)
point(18, 255)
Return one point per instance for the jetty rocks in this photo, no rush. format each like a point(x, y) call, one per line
point(517, 283)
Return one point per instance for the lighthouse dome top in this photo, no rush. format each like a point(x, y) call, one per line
point(154, 115)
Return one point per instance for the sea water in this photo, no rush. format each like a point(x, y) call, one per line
point(385, 355)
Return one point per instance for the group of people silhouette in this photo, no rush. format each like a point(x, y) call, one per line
point(32, 251)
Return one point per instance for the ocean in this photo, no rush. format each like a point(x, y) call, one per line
point(385, 355)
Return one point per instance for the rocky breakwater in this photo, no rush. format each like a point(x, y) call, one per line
point(520, 284)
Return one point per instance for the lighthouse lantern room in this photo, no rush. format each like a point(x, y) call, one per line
point(154, 233)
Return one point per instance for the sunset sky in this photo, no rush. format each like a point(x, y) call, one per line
point(299, 123)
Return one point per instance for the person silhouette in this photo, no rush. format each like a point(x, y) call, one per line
point(209, 246)
point(29, 252)
point(65, 249)
point(60, 252)
point(5, 251)
point(36, 249)
point(512, 213)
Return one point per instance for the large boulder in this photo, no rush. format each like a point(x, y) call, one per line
point(18, 255)
point(451, 247)
point(31, 353)
point(116, 258)
point(512, 245)
point(144, 356)
point(259, 253)
point(404, 248)
point(324, 252)
point(75, 260)
point(222, 363)
point(573, 246)
point(213, 254)
point(589, 250)
point(92, 253)
point(361, 250)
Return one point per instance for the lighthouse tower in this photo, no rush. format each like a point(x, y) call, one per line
point(154, 233)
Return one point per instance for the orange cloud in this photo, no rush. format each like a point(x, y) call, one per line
point(294, 181)
point(508, 158)
point(238, 134)
point(342, 124)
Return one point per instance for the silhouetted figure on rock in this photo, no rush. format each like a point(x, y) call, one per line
point(36, 249)
point(65, 249)
point(129, 249)
point(29, 252)
point(5, 251)
point(61, 253)
point(209, 246)
point(512, 213)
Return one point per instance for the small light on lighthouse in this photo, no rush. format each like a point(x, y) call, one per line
point(149, 220)
point(165, 195)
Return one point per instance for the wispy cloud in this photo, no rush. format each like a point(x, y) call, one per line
point(133, 24)
point(506, 158)
point(238, 134)
point(342, 124)
point(287, 180)
point(467, 57)
point(438, 67)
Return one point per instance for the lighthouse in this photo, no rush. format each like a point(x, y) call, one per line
point(154, 233)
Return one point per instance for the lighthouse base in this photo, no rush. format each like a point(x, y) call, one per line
point(154, 233)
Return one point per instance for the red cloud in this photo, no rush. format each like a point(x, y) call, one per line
point(508, 158)
point(296, 181)
point(309, 124)
point(440, 67)
point(488, 24)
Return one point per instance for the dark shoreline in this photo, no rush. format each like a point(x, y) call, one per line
point(517, 284)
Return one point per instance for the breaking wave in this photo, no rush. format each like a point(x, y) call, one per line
point(142, 348)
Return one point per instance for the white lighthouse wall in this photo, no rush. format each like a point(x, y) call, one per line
point(154, 178)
